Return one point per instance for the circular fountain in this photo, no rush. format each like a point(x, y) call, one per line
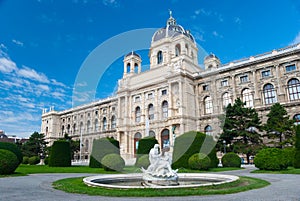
point(159, 174)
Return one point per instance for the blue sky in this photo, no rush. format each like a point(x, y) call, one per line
point(43, 43)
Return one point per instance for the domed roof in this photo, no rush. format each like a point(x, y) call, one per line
point(211, 56)
point(133, 53)
point(172, 29)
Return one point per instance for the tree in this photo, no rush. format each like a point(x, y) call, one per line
point(35, 145)
point(279, 126)
point(240, 129)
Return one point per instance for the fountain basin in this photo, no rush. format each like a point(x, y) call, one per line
point(129, 181)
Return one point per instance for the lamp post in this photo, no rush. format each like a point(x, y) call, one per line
point(224, 144)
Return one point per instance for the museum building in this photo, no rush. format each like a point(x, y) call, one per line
point(177, 95)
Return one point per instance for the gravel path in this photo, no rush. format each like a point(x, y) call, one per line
point(37, 187)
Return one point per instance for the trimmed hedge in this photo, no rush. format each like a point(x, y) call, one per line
point(199, 161)
point(297, 150)
point(13, 148)
point(143, 161)
point(60, 154)
point(289, 154)
point(113, 162)
point(145, 145)
point(191, 143)
point(33, 160)
point(8, 162)
point(25, 159)
point(271, 159)
point(231, 160)
point(101, 148)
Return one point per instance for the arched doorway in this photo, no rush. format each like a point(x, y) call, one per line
point(136, 140)
point(165, 139)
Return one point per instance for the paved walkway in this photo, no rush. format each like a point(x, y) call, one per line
point(37, 187)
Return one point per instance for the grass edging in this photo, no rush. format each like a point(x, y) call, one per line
point(76, 185)
point(289, 170)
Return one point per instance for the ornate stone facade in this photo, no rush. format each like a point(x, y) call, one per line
point(176, 95)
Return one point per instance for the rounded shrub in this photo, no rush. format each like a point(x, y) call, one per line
point(102, 147)
point(60, 154)
point(231, 160)
point(33, 160)
point(199, 162)
point(113, 162)
point(143, 161)
point(271, 159)
point(25, 159)
point(13, 148)
point(8, 162)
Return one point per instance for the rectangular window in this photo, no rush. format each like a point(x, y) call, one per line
point(224, 83)
point(150, 95)
point(164, 92)
point(205, 87)
point(137, 99)
point(290, 68)
point(244, 78)
point(265, 73)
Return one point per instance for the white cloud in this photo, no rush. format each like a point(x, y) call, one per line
point(296, 39)
point(113, 3)
point(30, 73)
point(7, 66)
point(17, 42)
point(24, 92)
point(216, 34)
point(237, 20)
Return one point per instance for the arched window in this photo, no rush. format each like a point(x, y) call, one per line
point(159, 57)
point(136, 68)
point(208, 106)
point(226, 99)
point(113, 122)
point(297, 119)
point(62, 130)
point(104, 122)
point(136, 140)
point(151, 133)
point(247, 97)
point(47, 130)
point(68, 129)
point(165, 139)
point(81, 128)
point(151, 112)
point(74, 128)
point(177, 50)
point(88, 126)
point(137, 114)
point(269, 94)
point(96, 125)
point(294, 89)
point(208, 130)
point(128, 68)
point(165, 109)
point(86, 145)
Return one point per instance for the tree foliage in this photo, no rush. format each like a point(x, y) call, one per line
point(241, 128)
point(35, 145)
point(297, 147)
point(279, 126)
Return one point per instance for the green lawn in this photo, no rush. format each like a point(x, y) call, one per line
point(33, 169)
point(290, 170)
point(76, 185)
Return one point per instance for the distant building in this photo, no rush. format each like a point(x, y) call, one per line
point(176, 95)
point(10, 138)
